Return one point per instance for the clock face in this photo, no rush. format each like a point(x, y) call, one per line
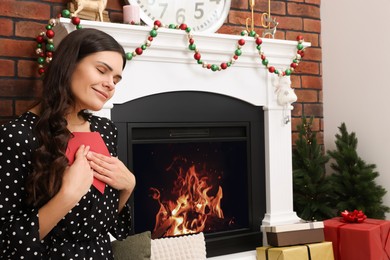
point(200, 15)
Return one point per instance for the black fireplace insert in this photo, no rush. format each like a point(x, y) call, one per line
point(199, 162)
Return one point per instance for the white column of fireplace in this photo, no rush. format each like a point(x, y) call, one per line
point(168, 65)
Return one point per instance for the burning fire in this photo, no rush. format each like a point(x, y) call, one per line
point(191, 206)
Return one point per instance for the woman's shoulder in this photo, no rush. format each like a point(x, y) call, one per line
point(102, 124)
point(19, 128)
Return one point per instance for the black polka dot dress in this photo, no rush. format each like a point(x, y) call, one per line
point(83, 233)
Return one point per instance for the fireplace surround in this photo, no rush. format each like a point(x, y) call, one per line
point(167, 66)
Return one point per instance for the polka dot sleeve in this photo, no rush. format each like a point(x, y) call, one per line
point(19, 236)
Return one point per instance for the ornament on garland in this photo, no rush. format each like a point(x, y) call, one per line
point(45, 47)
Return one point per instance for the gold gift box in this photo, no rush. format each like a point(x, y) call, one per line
point(317, 251)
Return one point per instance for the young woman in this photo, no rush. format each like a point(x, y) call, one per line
point(49, 208)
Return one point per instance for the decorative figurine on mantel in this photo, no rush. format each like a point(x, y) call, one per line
point(268, 23)
point(90, 9)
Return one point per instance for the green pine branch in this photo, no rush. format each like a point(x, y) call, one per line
point(312, 189)
point(353, 180)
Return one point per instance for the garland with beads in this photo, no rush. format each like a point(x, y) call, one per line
point(45, 47)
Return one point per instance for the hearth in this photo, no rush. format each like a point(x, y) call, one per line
point(199, 162)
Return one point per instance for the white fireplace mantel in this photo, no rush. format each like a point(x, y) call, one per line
point(168, 65)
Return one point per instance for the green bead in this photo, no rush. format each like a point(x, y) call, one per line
point(41, 60)
point(143, 46)
point(65, 13)
point(79, 26)
point(288, 72)
point(276, 72)
point(238, 52)
point(265, 62)
point(214, 67)
point(258, 47)
point(252, 33)
point(243, 33)
point(153, 33)
point(172, 26)
point(295, 61)
point(200, 61)
point(39, 45)
point(300, 46)
point(49, 27)
point(129, 55)
point(192, 47)
point(229, 64)
point(188, 29)
point(50, 47)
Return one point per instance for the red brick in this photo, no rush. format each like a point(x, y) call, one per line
point(6, 107)
point(17, 48)
point(6, 26)
point(313, 109)
point(298, 108)
point(27, 69)
point(22, 106)
point(295, 81)
point(29, 29)
point(7, 68)
point(277, 8)
point(20, 88)
point(239, 4)
point(316, 2)
point(311, 25)
point(289, 23)
point(22, 9)
point(313, 54)
point(305, 95)
point(313, 82)
point(308, 67)
point(303, 10)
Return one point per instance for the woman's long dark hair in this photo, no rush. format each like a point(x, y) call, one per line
point(49, 160)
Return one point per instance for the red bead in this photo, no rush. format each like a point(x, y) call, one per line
point(49, 54)
point(150, 38)
point(209, 66)
point(271, 69)
point(50, 33)
point(259, 41)
point(294, 65)
point(40, 39)
point(224, 65)
point(191, 41)
point(75, 20)
point(42, 54)
point(197, 56)
point(263, 57)
point(235, 57)
point(241, 42)
point(158, 23)
point(301, 52)
point(41, 71)
point(139, 51)
point(183, 26)
point(299, 38)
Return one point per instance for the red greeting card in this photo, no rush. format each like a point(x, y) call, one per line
point(97, 145)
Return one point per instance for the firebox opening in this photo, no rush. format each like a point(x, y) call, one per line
point(191, 179)
point(178, 124)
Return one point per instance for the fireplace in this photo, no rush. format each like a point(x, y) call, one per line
point(167, 68)
point(209, 149)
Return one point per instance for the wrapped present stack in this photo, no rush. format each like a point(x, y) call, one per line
point(303, 241)
point(358, 238)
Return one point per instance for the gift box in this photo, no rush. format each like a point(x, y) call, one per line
point(358, 241)
point(295, 234)
point(314, 251)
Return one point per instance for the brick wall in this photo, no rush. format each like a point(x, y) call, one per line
point(21, 21)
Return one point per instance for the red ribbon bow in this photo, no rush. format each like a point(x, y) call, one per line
point(356, 216)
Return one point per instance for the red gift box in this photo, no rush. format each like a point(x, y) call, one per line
point(358, 241)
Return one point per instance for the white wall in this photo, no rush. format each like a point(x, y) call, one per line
point(356, 54)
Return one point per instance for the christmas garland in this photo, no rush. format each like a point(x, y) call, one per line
point(45, 47)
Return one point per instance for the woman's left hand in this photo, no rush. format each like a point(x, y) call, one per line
point(112, 171)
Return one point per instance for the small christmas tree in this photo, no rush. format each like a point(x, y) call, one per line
point(312, 189)
point(353, 180)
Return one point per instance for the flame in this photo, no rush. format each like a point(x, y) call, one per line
point(191, 208)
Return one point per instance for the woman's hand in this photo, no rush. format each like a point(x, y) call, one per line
point(112, 171)
point(78, 177)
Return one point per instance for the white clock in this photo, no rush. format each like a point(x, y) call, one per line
point(200, 15)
